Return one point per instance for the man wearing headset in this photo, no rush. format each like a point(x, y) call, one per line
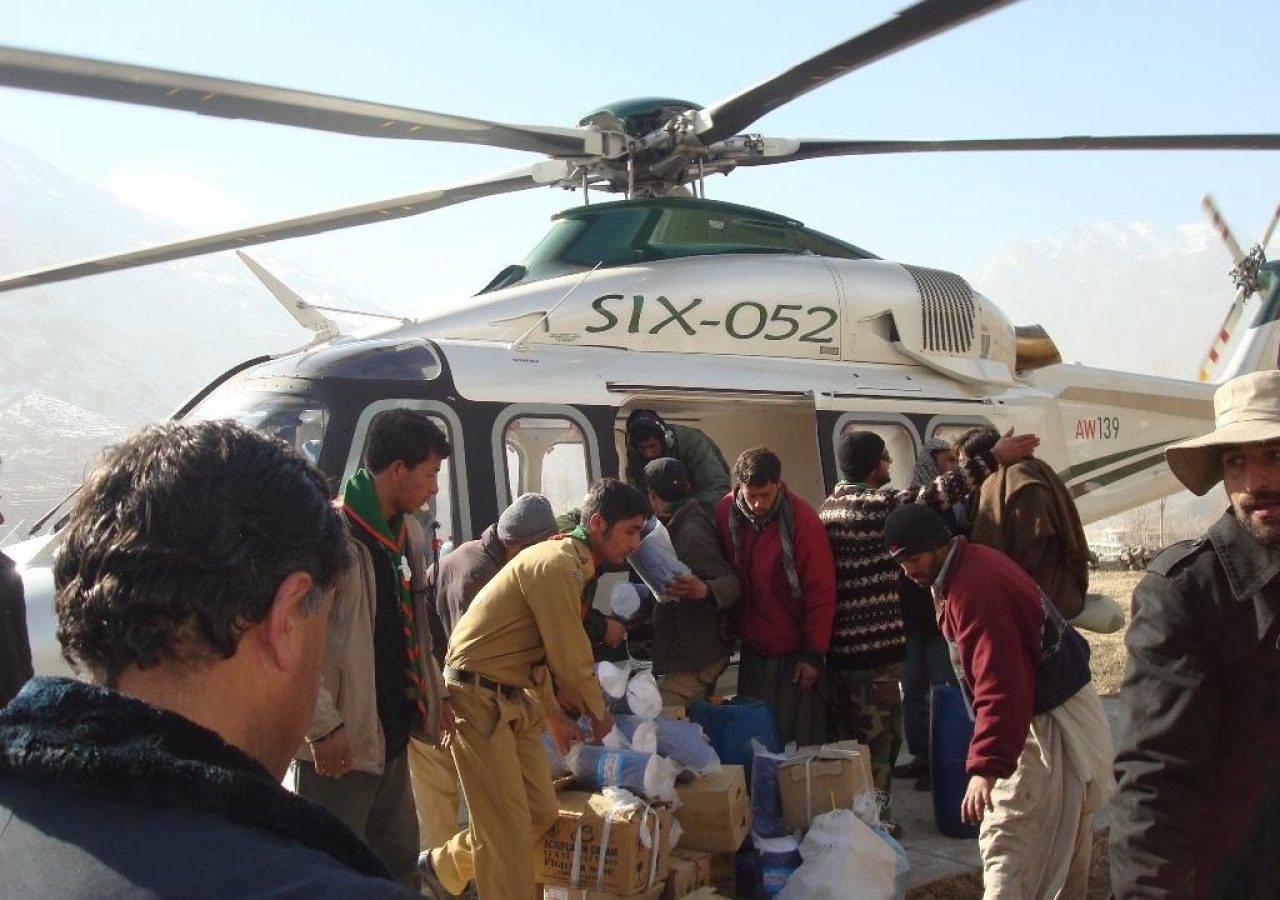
point(650, 438)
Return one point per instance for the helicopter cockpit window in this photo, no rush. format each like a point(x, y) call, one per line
point(299, 421)
point(683, 228)
point(408, 359)
point(547, 455)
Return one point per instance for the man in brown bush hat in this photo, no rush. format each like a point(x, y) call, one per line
point(1197, 814)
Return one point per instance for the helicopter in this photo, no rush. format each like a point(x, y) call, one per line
point(742, 322)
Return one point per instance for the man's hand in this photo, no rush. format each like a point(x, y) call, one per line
point(567, 705)
point(615, 632)
point(1013, 447)
point(977, 799)
point(601, 727)
point(687, 587)
point(448, 726)
point(564, 731)
point(805, 676)
point(332, 754)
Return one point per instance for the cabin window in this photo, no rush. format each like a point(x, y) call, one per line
point(949, 428)
point(298, 421)
point(899, 440)
point(449, 507)
point(547, 455)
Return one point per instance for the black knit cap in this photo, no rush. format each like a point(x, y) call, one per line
point(912, 529)
point(668, 478)
point(858, 454)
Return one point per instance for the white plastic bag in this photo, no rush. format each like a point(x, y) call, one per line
point(624, 600)
point(613, 678)
point(643, 697)
point(844, 859)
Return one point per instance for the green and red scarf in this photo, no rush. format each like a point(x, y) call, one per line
point(359, 502)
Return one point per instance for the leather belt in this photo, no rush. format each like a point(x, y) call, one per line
point(474, 678)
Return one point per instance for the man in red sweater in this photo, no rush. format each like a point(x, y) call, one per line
point(1040, 759)
point(778, 546)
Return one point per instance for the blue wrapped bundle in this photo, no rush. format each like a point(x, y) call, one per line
point(766, 796)
point(646, 774)
point(682, 741)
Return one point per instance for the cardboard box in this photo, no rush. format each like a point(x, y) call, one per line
point(820, 779)
point(690, 870)
point(715, 811)
point(562, 892)
point(679, 713)
point(629, 866)
point(724, 873)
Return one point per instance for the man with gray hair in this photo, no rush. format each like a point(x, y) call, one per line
point(193, 585)
point(452, 583)
point(1197, 813)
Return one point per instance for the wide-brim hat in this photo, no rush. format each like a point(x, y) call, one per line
point(1246, 410)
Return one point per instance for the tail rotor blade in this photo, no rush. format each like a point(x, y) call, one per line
point(1224, 231)
point(1223, 338)
point(1271, 227)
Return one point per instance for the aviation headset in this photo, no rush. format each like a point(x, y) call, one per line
point(649, 423)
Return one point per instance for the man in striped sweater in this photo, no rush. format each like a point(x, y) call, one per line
point(868, 641)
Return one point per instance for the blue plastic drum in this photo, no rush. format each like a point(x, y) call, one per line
point(950, 730)
point(731, 725)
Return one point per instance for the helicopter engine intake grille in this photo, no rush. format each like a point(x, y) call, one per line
point(947, 307)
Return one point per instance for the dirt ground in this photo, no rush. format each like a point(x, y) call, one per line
point(1107, 661)
point(1108, 654)
point(969, 886)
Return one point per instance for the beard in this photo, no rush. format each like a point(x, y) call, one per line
point(1256, 513)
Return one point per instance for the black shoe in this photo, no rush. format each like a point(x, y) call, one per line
point(924, 782)
point(431, 886)
point(914, 769)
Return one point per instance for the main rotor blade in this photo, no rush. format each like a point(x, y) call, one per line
point(924, 20)
point(143, 86)
point(781, 150)
point(395, 208)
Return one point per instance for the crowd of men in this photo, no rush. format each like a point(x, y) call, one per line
point(237, 626)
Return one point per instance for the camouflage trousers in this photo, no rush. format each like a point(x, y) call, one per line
point(866, 706)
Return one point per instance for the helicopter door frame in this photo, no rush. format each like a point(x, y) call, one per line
point(457, 519)
point(508, 414)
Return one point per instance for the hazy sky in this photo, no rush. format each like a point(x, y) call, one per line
point(1038, 68)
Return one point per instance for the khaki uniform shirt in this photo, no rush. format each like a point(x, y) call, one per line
point(527, 620)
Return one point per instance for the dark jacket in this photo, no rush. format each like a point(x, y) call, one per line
point(105, 797)
point(458, 577)
point(708, 472)
point(1018, 658)
point(15, 646)
point(1197, 811)
point(686, 633)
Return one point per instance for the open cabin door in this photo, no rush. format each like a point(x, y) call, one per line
point(785, 422)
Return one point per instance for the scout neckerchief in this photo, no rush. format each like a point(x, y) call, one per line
point(359, 502)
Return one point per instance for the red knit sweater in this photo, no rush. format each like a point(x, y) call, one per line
point(992, 612)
